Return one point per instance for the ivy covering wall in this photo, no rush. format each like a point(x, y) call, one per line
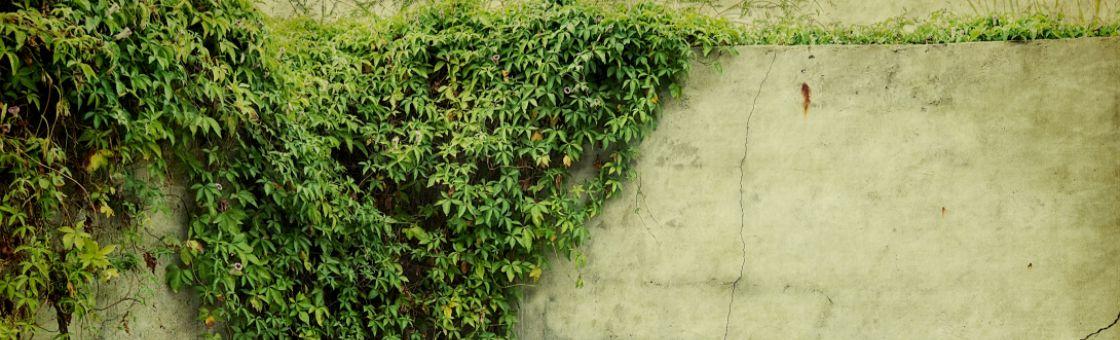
point(414, 170)
point(366, 178)
point(92, 94)
point(394, 178)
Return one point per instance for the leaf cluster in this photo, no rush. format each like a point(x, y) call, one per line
point(414, 170)
point(93, 94)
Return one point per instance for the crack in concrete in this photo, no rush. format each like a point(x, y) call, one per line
point(742, 211)
point(1114, 321)
point(826, 312)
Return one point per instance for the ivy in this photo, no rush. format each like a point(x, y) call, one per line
point(416, 170)
point(939, 28)
point(92, 94)
point(395, 178)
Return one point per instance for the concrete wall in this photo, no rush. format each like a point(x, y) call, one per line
point(964, 191)
point(862, 12)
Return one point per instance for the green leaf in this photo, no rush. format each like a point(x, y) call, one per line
point(175, 278)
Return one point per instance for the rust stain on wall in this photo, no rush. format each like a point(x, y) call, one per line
point(805, 92)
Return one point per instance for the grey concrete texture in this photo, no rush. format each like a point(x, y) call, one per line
point(863, 12)
point(966, 191)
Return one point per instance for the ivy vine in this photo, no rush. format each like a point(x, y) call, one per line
point(416, 169)
point(394, 178)
point(93, 94)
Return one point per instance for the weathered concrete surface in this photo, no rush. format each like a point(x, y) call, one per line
point(966, 191)
point(863, 12)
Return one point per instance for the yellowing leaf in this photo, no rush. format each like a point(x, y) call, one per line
point(256, 303)
point(194, 245)
point(105, 209)
point(109, 274)
point(98, 159)
point(535, 274)
point(105, 251)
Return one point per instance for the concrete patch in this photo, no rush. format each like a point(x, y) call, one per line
point(864, 12)
point(930, 191)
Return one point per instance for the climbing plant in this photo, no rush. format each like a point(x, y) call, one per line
point(939, 28)
point(92, 95)
point(416, 169)
point(370, 178)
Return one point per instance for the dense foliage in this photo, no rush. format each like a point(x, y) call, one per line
point(92, 92)
point(384, 178)
point(417, 169)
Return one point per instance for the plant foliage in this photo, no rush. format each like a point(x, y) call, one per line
point(939, 28)
point(371, 178)
point(415, 169)
point(92, 92)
